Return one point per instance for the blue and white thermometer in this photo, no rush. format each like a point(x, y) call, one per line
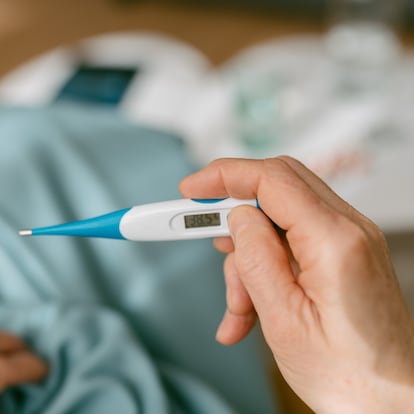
point(168, 220)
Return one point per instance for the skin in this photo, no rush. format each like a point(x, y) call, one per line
point(322, 286)
point(18, 364)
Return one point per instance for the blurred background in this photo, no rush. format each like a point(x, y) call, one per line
point(330, 82)
point(217, 28)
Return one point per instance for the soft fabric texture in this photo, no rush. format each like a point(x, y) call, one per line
point(126, 327)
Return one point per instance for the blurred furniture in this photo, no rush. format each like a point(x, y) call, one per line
point(29, 28)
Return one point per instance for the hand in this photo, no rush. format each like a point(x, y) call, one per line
point(18, 365)
point(323, 287)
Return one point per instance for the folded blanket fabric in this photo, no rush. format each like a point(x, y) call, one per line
point(126, 327)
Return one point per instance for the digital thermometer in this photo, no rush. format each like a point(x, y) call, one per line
point(169, 220)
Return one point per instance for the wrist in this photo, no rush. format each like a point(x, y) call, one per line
point(379, 397)
point(397, 398)
point(386, 386)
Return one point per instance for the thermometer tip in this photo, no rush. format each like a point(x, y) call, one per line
point(25, 233)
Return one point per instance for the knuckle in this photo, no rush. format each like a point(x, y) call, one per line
point(355, 236)
point(358, 238)
point(219, 163)
point(283, 162)
point(248, 264)
point(248, 257)
point(276, 163)
point(375, 233)
point(364, 234)
point(287, 159)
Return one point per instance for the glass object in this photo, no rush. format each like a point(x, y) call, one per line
point(362, 40)
point(268, 104)
point(257, 107)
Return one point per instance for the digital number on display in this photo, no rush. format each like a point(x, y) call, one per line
point(202, 220)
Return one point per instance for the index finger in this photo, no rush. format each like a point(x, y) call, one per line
point(282, 193)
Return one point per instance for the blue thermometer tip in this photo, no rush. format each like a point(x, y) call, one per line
point(106, 226)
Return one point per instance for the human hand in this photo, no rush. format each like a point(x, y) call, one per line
point(325, 290)
point(18, 365)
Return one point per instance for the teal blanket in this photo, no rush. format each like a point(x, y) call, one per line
point(126, 327)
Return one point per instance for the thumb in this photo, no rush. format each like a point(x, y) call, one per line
point(261, 261)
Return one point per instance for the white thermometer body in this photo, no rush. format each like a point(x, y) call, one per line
point(179, 219)
point(168, 220)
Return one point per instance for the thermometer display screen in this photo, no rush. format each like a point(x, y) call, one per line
point(202, 220)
